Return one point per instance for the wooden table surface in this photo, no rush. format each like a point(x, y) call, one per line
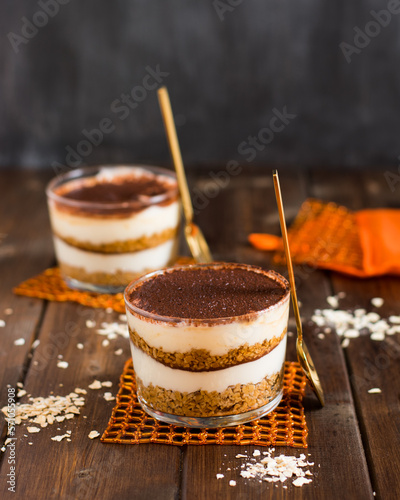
point(353, 441)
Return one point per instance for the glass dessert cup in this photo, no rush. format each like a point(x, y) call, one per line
point(112, 224)
point(197, 366)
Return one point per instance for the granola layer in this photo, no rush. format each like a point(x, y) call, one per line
point(202, 360)
point(236, 399)
point(129, 245)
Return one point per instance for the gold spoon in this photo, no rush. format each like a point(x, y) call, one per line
point(193, 235)
point(303, 355)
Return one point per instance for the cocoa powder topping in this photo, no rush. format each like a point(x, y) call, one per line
point(209, 292)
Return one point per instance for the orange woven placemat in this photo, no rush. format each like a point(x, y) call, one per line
point(285, 426)
point(325, 235)
point(49, 285)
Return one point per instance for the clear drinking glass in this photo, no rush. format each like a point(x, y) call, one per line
point(208, 372)
point(112, 224)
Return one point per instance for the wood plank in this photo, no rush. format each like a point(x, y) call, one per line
point(84, 468)
point(376, 416)
point(25, 250)
point(375, 364)
point(334, 440)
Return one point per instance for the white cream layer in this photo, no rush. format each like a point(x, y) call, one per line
point(151, 371)
point(218, 339)
point(93, 262)
point(152, 220)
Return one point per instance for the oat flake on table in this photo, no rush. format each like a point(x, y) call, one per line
point(351, 324)
point(274, 469)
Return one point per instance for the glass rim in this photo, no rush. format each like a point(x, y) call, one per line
point(84, 172)
point(206, 321)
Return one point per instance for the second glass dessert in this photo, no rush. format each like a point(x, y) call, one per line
point(208, 342)
point(112, 224)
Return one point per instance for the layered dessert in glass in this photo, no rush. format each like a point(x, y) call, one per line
point(113, 224)
point(208, 342)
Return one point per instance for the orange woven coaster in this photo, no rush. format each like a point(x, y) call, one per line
point(49, 285)
point(324, 235)
point(285, 426)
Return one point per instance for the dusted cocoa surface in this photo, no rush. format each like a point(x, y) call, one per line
point(118, 190)
point(114, 196)
point(222, 291)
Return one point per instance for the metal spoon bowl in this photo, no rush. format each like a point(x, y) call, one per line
point(197, 244)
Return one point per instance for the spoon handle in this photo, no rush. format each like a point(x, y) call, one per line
point(166, 111)
point(295, 303)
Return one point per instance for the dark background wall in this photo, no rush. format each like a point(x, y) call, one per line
point(232, 65)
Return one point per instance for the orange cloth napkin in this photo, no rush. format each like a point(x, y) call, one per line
point(362, 244)
point(380, 241)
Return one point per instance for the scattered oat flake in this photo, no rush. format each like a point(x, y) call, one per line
point(2, 323)
point(112, 330)
point(352, 324)
point(62, 364)
point(378, 336)
point(118, 352)
point(8, 311)
point(79, 346)
point(220, 476)
point(20, 341)
point(105, 343)
point(107, 383)
point(300, 481)
point(333, 301)
point(321, 336)
point(90, 323)
point(59, 438)
point(108, 396)
point(35, 343)
point(33, 430)
point(377, 301)
point(374, 390)
point(351, 333)
point(45, 411)
point(93, 434)
point(20, 385)
point(345, 343)
point(96, 384)
point(256, 453)
point(277, 469)
point(393, 329)
point(80, 391)
point(109, 310)
point(21, 393)
point(232, 483)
